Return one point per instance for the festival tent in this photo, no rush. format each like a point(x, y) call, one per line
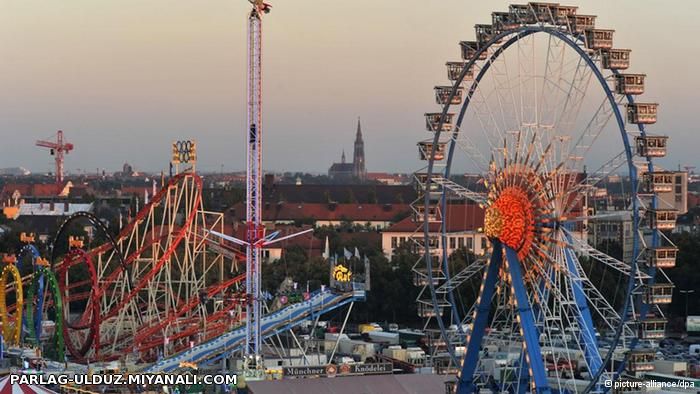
point(6, 387)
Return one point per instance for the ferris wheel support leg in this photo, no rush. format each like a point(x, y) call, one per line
point(583, 317)
point(488, 287)
point(39, 309)
point(527, 324)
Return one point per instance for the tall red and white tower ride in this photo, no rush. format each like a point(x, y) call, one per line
point(256, 231)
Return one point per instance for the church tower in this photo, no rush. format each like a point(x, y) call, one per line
point(358, 161)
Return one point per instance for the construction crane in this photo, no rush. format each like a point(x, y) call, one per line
point(58, 148)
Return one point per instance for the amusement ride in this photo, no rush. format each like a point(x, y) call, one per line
point(538, 98)
point(166, 292)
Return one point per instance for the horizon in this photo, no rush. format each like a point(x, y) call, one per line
point(129, 78)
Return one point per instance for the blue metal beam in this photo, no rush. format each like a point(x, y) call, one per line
point(488, 287)
point(529, 331)
point(585, 321)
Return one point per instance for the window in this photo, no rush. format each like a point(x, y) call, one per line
point(483, 243)
point(453, 243)
point(460, 242)
point(470, 243)
point(394, 242)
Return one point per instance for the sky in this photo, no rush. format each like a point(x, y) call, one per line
point(125, 78)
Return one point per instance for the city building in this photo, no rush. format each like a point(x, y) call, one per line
point(44, 217)
point(374, 216)
point(339, 193)
point(612, 227)
point(356, 169)
point(464, 230)
point(677, 198)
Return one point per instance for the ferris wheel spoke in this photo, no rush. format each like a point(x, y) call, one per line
point(587, 184)
point(576, 89)
point(467, 273)
point(597, 301)
point(472, 152)
point(585, 249)
point(590, 134)
point(461, 191)
point(553, 69)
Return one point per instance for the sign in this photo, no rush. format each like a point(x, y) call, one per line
point(693, 324)
point(370, 369)
point(341, 273)
point(184, 152)
point(341, 370)
point(319, 370)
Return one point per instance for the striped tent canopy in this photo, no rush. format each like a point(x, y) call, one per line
point(8, 388)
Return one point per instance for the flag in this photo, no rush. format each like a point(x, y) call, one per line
point(347, 254)
point(368, 284)
point(327, 251)
point(357, 253)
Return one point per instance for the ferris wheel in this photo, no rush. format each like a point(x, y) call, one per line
point(539, 99)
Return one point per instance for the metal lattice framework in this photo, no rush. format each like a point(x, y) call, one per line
point(11, 315)
point(540, 96)
point(160, 286)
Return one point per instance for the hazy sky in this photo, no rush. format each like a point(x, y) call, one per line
point(123, 78)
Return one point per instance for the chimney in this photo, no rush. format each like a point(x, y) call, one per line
point(269, 181)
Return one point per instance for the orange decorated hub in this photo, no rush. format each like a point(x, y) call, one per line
point(511, 219)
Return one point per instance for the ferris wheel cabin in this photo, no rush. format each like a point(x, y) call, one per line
point(562, 13)
point(522, 13)
point(616, 59)
point(652, 328)
point(599, 39)
point(442, 95)
point(659, 293)
point(454, 70)
point(629, 83)
point(425, 308)
point(420, 179)
point(432, 120)
point(642, 113)
point(420, 277)
point(504, 21)
point(469, 49)
point(651, 146)
point(419, 213)
point(658, 182)
point(662, 219)
point(425, 150)
point(484, 33)
point(662, 256)
point(641, 360)
point(579, 24)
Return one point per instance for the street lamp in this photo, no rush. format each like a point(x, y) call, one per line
point(686, 292)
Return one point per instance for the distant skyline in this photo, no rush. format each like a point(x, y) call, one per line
point(124, 78)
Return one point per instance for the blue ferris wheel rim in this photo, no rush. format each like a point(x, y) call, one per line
point(574, 42)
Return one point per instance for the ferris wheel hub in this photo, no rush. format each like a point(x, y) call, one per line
point(511, 219)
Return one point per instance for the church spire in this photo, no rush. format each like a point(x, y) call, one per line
point(358, 157)
point(342, 158)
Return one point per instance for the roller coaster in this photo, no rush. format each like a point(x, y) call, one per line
point(160, 292)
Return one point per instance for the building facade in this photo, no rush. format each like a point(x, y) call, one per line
point(464, 223)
